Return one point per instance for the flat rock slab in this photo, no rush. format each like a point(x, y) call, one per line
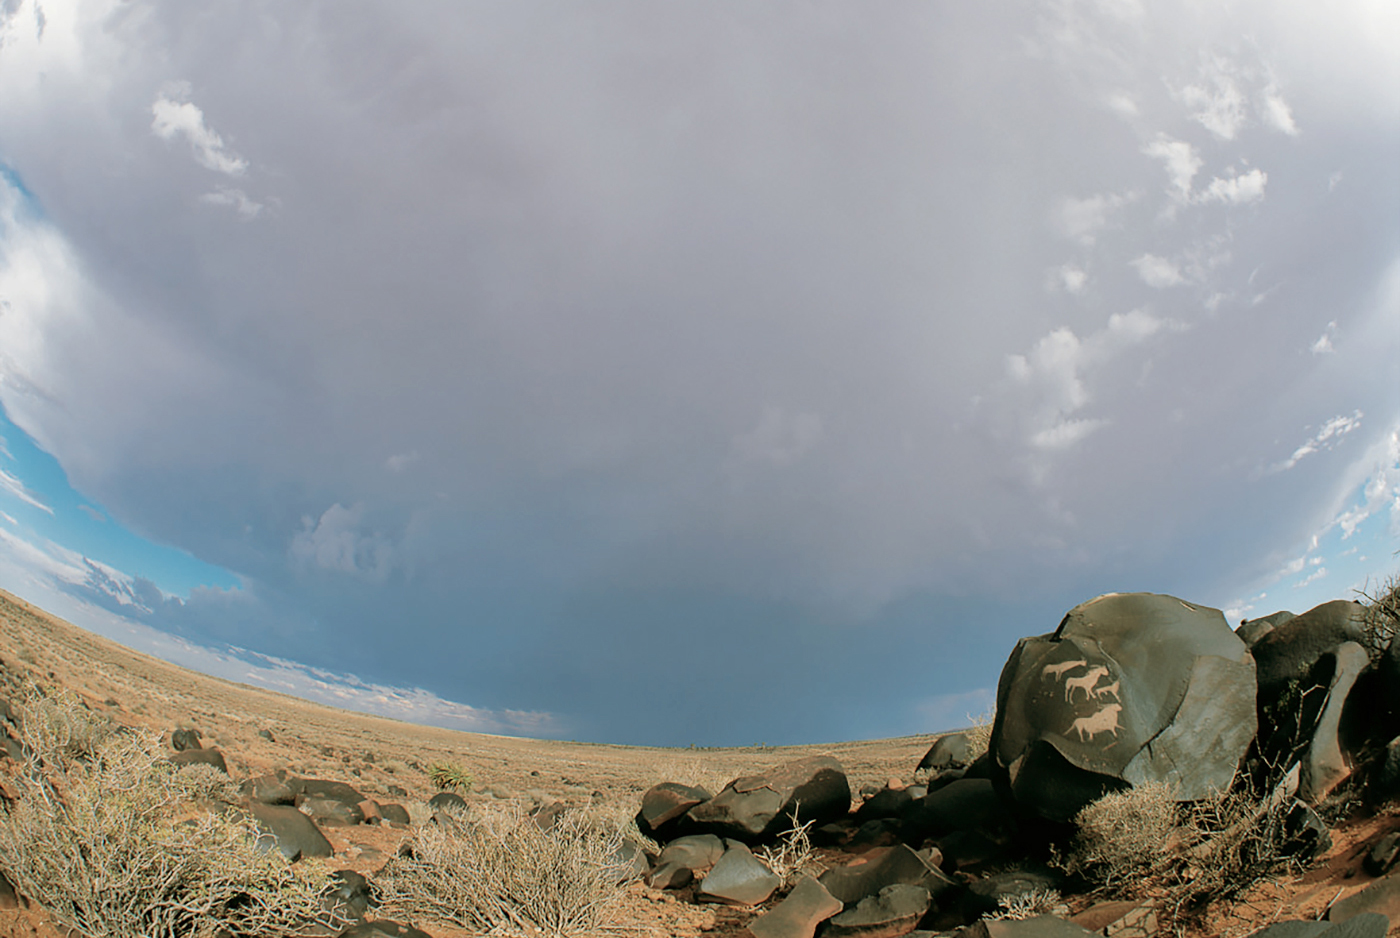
point(876, 869)
point(1381, 896)
point(891, 914)
point(798, 915)
point(1042, 926)
point(662, 804)
point(759, 807)
point(739, 878)
point(1364, 925)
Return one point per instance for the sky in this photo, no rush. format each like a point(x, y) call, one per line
point(699, 373)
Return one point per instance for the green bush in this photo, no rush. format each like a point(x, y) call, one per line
point(450, 776)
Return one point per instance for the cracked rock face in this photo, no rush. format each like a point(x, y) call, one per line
point(1131, 688)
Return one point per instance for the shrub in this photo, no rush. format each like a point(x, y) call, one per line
point(792, 855)
point(105, 835)
point(1125, 836)
point(1382, 616)
point(1029, 905)
point(493, 868)
point(979, 734)
point(450, 776)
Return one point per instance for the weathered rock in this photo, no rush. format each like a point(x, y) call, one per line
point(1042, 926)
point(665, 804)
point(738, 878)
point(289, 831)
point(348, 894)
point(272, 789)
point(182, 740)
point(986, 895)
point(1251, 630)
point(395, 814)
point(267, 735)
point(1291, 650)
point(628, 862)
point(446, 799)
point(969, 804)
point(894, 912)
point(383, 928)
point(759, 807)
point(1381, 895)
point(200, 757)
point(1383, 854)
point(329, 788)
point(1365, 925)
point(1130, 688)
point(9, 899)
point(1325, 766)
point(885, 803)
point(330, 812)
point(875, 869)
point(947, 752)
point(799, 914)
point(683, 858)
point(11, 748)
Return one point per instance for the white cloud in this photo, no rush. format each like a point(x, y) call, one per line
point(1158, 272)
point(1277, 114)
point(1326, 438)
point(1066, 433)
point(1067, 277)
point(1081, 220)
point(172, 118)
point(1181, 161)
point(1311, 578)
point(401, 461)
point(9, 518)
point(1220, 105)
point(1323, 345)
point(334, 542)
point(1236, 189)
point(8, 483)
point(236, 199)
point(779, 439)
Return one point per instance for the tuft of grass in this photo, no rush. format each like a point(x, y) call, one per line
point(450, 776)
point(1031, 904)
point(1125, 837)
point(107, 836)
point(492, 869)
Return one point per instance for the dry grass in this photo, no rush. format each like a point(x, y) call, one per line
point(792, 855)
point(979, 734)
point(1125, 837)
point(110, 840)
point(493, 869)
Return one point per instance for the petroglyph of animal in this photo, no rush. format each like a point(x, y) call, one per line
point(1099, 692)
point(1104, 721)
point(1084, 682)
point(1057, 671)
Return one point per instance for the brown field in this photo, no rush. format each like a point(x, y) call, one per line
point(373, 752)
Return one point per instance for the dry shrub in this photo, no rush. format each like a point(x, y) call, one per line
point(106, 836)
point(792, 855)
point(979, 734)
point(1125, 836)
point(1382, 617)
point(1031, 904)
point(492, 868)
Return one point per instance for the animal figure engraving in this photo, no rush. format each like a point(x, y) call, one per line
point(1057, 671)
point(1099, 692)
point(1084, 682)
point(1104, 721)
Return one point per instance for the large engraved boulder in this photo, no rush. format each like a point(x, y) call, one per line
point(1131, 688)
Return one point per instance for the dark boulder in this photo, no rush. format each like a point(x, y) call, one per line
point(327, 788)
point(348, 894)
point(383, 928)
point(1131, 688)
point(182, 740)
point(895, 911)
point(1326, 764)
point(395, 814)
point(330, 812)
point(738, 878)
point(759, 807)
point(1251, 630)
point(272, 789)
point(1291, 650)
point(875, 869)
point(200, 757)
point(799, 914)
point(664, 805)
point(947, 752)
point(447, 800)
point(969, 804)
point(685, 857)
point(289, 831)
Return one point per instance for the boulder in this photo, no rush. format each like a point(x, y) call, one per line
point(968, 804)
point(1325, 765)
point(684, 857)
point(885, 803)
point(200, 757)
point(272, 789)
point(986, 895)
point(627, 863)
point(1131, 688)
point(799, 914)
point(330, 812)
point(182, 740)
point(947, 752)
point(760, 807)
point(383, 928)
point(289, 831)
point(738, 878)
point(348, 894)
point(1366, 925)
point(895, 911)
point(1380, 895)
point(1288, 652)
point(665, 804)
point(395, 814)
point(1251, 630)
point(327, 788)
point(880, 867)
point(1042, 926)
point(447, 799)
point(9, 899)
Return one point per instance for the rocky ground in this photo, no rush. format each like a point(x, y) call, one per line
point(261, 732)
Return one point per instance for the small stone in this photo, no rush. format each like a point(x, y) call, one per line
point(739, 878)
